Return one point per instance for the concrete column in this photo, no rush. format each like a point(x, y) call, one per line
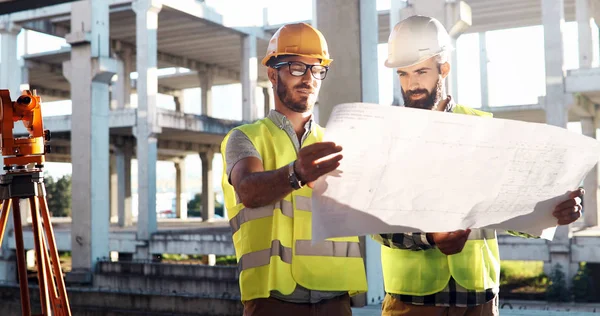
point(10, 72)
point(146, 129)
point(127, 57)
point(269, 101)
point(249, 77)
point(206, 83)
point(89, 71)
point(208, 195)
point(178, 99)
point(114, 189)
point(354, 80)
point(556, 114)
point(395, 17)
point(118, 88)
point(483, 71)
point(123, 156)
point(583, 13)
point(591, 182)
point(180, 198)
point(553, 22)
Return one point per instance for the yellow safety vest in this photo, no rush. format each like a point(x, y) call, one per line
point(420, 273)
point(273, 243)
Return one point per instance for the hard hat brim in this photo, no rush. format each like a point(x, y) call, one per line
point(324, 61)
point(405, 64)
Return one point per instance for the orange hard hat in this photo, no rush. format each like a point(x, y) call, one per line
point(299, 39)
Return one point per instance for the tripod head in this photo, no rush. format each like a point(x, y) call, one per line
point(18, 152)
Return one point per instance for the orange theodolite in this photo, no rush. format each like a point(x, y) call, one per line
point(24, 159)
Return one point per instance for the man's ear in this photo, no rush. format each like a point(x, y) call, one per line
point(445, 70)
point(272, 74)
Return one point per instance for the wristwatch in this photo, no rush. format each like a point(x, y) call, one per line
point(292, 177)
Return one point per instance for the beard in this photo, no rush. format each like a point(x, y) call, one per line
point(430, 100)
point(299, 104)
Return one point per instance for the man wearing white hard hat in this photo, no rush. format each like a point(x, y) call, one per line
point(440, 273)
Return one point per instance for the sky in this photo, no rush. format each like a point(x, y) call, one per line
point(515, 76)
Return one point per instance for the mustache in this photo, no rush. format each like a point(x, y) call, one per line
point(304, 86)
point(418, 91)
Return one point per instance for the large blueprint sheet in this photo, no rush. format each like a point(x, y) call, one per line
point(410, 170)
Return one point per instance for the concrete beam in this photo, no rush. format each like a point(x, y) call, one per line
point(182, 147)
point(196, 123)
point(583, 80)
point(146, 129)
point(53, 11)
point(52, 93)
point(190, 243)
point(196, 9)
point(46, 27)
point(184, 62)
point(56, 12)
point(517, 248)
point(45, 67)
point(585, 249)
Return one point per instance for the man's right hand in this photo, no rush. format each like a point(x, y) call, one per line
point(450, 243)
point(312, 164)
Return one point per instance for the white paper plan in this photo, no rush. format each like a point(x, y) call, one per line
point(412, 170)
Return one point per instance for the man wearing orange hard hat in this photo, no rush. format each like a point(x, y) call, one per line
point(269, 168)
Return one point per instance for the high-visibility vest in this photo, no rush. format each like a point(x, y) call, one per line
point(273, 243)
point(420, 273)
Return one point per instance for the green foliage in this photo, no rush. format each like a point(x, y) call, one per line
point(557, 290)
point(583, 288)
point(194, 206)
point(58, 195)
point(226, 260)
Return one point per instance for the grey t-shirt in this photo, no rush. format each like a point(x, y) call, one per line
point(239, 147)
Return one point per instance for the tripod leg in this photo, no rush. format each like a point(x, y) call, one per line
point(21, 262)
point(62, 292)
point(53, 296)
point(40, 256)
point(4, 218)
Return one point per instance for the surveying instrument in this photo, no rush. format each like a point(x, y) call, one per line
point(24, 159)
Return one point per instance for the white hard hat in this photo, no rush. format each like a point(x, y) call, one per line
point(416, 39)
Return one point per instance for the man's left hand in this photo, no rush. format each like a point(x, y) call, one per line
point(570, 210)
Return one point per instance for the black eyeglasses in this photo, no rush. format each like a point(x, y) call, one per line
point(298, 69)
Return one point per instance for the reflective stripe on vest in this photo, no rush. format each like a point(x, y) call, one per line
point(263, 257)
point(326, 248)
point(248, 214)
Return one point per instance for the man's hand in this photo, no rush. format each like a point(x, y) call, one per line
point(570, 210)
point(449, 243)
point(311, 165)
